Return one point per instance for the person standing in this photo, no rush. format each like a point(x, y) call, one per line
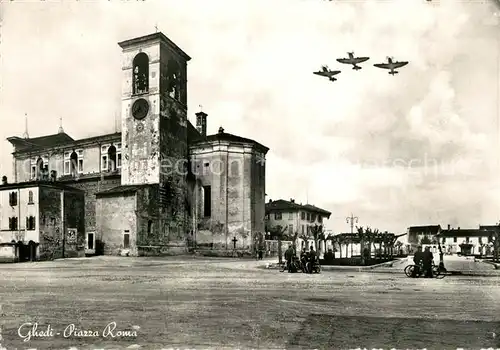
point(417, 260)
point(288, 256)
point(427, 259)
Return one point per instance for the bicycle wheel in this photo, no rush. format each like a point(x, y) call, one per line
point(282, 267)
point(409, 270)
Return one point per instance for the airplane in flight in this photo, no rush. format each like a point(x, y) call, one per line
point(326, 72)
point(353, 60)
point(391, 65)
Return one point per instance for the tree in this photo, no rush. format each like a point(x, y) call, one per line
point(399, 246)
point(363, 237)
point(305, 238)
point(316, 230)
point(279, 232)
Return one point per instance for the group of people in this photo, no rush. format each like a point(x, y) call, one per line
point(305, 257)
point(424, 260)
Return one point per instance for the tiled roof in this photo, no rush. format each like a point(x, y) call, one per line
point(282, 205)
point(430, 229)
point(38, 183)
point(316, 209)
point(123, 189)
point(490, 227)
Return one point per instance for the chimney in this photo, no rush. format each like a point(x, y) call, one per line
point(292, 200)
point(458, 228)
point(449, 227)
point(201, 123)
point(4, 180)
point(270, 200)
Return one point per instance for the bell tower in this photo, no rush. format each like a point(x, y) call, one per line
point(154, 112)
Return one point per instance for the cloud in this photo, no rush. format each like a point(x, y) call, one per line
point(415, 148)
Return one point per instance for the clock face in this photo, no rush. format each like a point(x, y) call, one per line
point(140, 109)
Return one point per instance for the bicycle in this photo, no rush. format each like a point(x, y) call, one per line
point(436, 272)
point(296, 265)
point(313, 267)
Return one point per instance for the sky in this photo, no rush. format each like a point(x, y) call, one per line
point(417, 148)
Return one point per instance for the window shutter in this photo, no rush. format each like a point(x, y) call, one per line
point(10, 224)
point(27, 223)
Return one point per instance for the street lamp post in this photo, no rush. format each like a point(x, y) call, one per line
point(352, 219)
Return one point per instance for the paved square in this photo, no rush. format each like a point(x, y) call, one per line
point(226, 303)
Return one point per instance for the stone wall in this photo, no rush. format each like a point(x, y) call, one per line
point(51, 223)
point(116, 217)
point(91, 186)
point(74, 219)
point(54, 221)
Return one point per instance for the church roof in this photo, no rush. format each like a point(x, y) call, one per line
point(22, 144)
point(224, 136)
point(192, 134)
point(57, 140)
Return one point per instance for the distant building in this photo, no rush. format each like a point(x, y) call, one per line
point(160, 186)
point(296, 218)
point(32, 217)
point(418, 235)
point(476, 241)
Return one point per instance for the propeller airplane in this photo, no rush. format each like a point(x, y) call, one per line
point(391, 65)
point(326, 72)
point(353, 60)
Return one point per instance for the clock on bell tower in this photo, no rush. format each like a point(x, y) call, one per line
point(154, 109)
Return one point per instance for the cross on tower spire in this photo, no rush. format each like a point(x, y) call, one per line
point(156, 28)
point(61, 130)
point(26, 135)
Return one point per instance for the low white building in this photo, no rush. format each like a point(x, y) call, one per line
point(476, 241)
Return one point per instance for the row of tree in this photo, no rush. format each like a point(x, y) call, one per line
point(366, 238)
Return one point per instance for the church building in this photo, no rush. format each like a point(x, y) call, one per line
point(160, 186)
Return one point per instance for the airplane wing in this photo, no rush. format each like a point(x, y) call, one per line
point(360, 59)
point(383, 65)
point(344, 60)
point(323, 74)
point(327, 74)
point(399, 64)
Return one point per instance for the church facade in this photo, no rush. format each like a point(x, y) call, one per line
point(161, 185)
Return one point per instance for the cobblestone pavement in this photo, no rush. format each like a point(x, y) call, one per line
point(225, 303)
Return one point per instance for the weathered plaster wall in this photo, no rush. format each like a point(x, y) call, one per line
point(116, 215)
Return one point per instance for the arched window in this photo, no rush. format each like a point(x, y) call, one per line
point(140, 78)
point(39, 168)
point(174, 79)
point(112, 159)
point(74, 163)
